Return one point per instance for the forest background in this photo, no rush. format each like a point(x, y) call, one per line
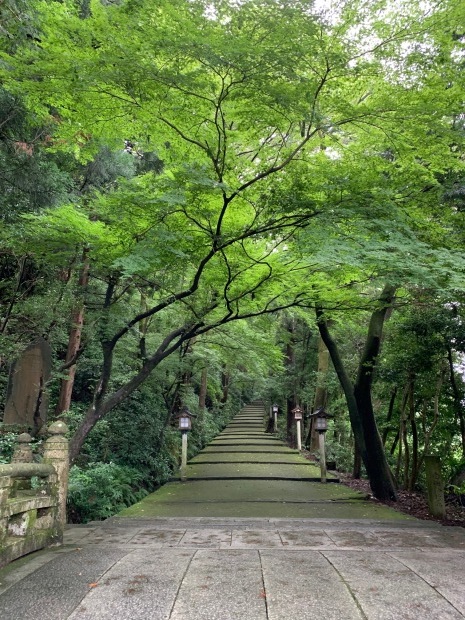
point(203, 202)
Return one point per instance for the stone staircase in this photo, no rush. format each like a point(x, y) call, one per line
point(244, 451)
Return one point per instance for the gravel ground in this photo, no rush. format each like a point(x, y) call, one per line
point(413, 504)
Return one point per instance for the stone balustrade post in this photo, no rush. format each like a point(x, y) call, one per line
point(5, 487)
point(56, 453)
point(23, 451)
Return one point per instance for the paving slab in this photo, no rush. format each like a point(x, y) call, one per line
point(206, 538)
point(139, 587)
point(304, 585)
point(156, 537)
point(386, 589)
point(312, 538)
point(217, 589)
point(255, 538)
point(438, 570)
point(58, 587)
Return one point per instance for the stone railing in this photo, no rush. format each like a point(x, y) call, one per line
point(33, 496)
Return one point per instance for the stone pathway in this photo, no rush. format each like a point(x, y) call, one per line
point(328, 553)
point(246, 472)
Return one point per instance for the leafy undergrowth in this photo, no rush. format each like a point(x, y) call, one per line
point(413, 504)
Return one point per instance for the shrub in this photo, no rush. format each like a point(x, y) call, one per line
point(101, 490)
point(7, 446)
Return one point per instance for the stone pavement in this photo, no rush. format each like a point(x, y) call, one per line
point(143, 566)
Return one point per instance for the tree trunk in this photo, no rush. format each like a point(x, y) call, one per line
point(101, 405)
point(458, 398)
point(345, 382)
point(74, 341)
point(321, 391)
point(379, 474)
point(203, 388)
point(224, 383)
point(429, 433)
point(413, 426)
point(357, 470)
point(358, 398)
point(289, 362)
point(392, 401)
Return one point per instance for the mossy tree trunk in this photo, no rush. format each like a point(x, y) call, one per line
point(358, 396)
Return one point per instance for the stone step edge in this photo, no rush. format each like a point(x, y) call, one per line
point(223, 443)
point(248, 463)
point(248, 451)
point(284, 478)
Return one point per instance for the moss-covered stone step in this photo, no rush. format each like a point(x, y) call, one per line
point(243, 457)
point(254, 470)
point(271, 499)
point(253, 490)
point(246, 436)
point(246, 442)
point(261, 436)
point(248, 449)
point(243, 429)
point(267, 510)
point(241, 433)
point(248, 418)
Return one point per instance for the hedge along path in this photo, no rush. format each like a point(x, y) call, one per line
point(246, 472)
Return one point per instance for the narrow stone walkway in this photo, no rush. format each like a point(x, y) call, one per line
point(246, 472)
point(210, 548)
point(244, 451)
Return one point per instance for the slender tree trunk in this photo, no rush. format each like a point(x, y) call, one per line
point(429, 432)
point(390, 412)
point(400, 442)
point(14, 296)
point(406, 454)
point(74, 341)
point(203, 388)
point(225, 383)
point(413, 426)
point(321, 391)
point(345, 381)
point(398, 433)
point(289, 362)
point(458, 398)
point(357, 469)
point(143, 327)
point(358, 398)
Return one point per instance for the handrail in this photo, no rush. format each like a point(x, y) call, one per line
point(33, 518)
point(26, 470)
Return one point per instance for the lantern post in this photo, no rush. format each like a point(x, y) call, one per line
point(274, 410)
point(297, 413)
point(184, 425)
point(321, 418)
